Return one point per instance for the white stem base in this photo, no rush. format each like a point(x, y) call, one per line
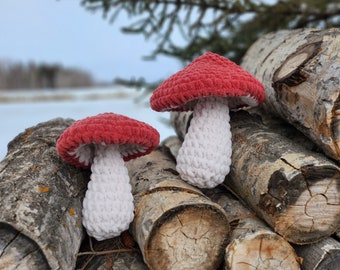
point(205, 156)
point(108, 206)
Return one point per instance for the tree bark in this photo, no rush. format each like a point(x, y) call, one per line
point(252, 244)
point(337, 234)
point(119, 261)
point(300, 70)
point(295, 190)
point(110, 254)
point(40, 201)
point(323, 255)
point(175, 225)
point(18, 251)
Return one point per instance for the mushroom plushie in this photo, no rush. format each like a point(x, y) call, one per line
point(102, 143)
point(210, 86)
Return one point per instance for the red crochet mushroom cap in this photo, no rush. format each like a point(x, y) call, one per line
point(136, 138)
point(209, 75)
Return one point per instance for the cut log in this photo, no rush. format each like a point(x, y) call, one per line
point(252, 244)
point(109, 254)
point(18, 251)
point(40, 202)
point(300, 70)
point(119, 261)
point(323, 255)
point(175, 224)
point(295, 190)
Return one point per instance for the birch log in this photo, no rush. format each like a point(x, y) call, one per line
point(300, 70)
point(175, 224)
point(252, 244)
point(323, 255)
point(109, 254)
point(40, 202)
point(296, 191)
point(118, 261)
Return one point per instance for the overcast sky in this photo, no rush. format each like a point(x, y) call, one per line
point(64, 32)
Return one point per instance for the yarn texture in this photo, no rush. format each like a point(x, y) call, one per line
point(210, 75)
point(211, 85)
point(108, 205)
point(205, 156)
point(102, 143)
point(75, 145)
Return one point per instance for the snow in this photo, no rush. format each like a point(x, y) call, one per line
point(23, 109)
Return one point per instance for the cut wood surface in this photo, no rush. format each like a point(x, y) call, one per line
point(323, 255)
point(295, 190)
point(252, 244)
point(175, 225)
point(18, 251)
point(40, 202)
point(300, 70)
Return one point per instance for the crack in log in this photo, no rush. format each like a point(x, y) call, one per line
point(31, 252)
point(284, 259)
point(180, 221)
point(260, 249)
point(9, 243)
point(167, 188)
point(173, 171)
point(289, 164)
point(311, 201)
point(248, 264)
point(308, 188)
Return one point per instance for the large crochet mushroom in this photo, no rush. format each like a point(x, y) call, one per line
point(210, 86)
point(102, 143)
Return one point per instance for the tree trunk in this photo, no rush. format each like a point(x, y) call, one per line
point(300, 70)
point(40, 201)
point(323, 255)
point(295, 190)
point(175, 225)
point(252, 244)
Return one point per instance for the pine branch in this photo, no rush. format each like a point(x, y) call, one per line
point(224, 27)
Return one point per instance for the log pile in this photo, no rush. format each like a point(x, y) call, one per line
point(294, 190)
point(175, 225)
point(278, 208)
point(300, 71)
point(249, 234)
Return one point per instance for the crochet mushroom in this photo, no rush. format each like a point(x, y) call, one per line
point(102, 143)
point(210, 86)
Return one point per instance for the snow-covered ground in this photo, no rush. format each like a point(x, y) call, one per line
point(22, 109)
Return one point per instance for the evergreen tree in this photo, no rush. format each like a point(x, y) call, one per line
point(224, 27)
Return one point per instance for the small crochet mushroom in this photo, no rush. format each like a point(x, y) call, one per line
point(210, 86)
point(102, 143)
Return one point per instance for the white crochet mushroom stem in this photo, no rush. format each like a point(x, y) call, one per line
point(205, 156)
point(108, 206)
